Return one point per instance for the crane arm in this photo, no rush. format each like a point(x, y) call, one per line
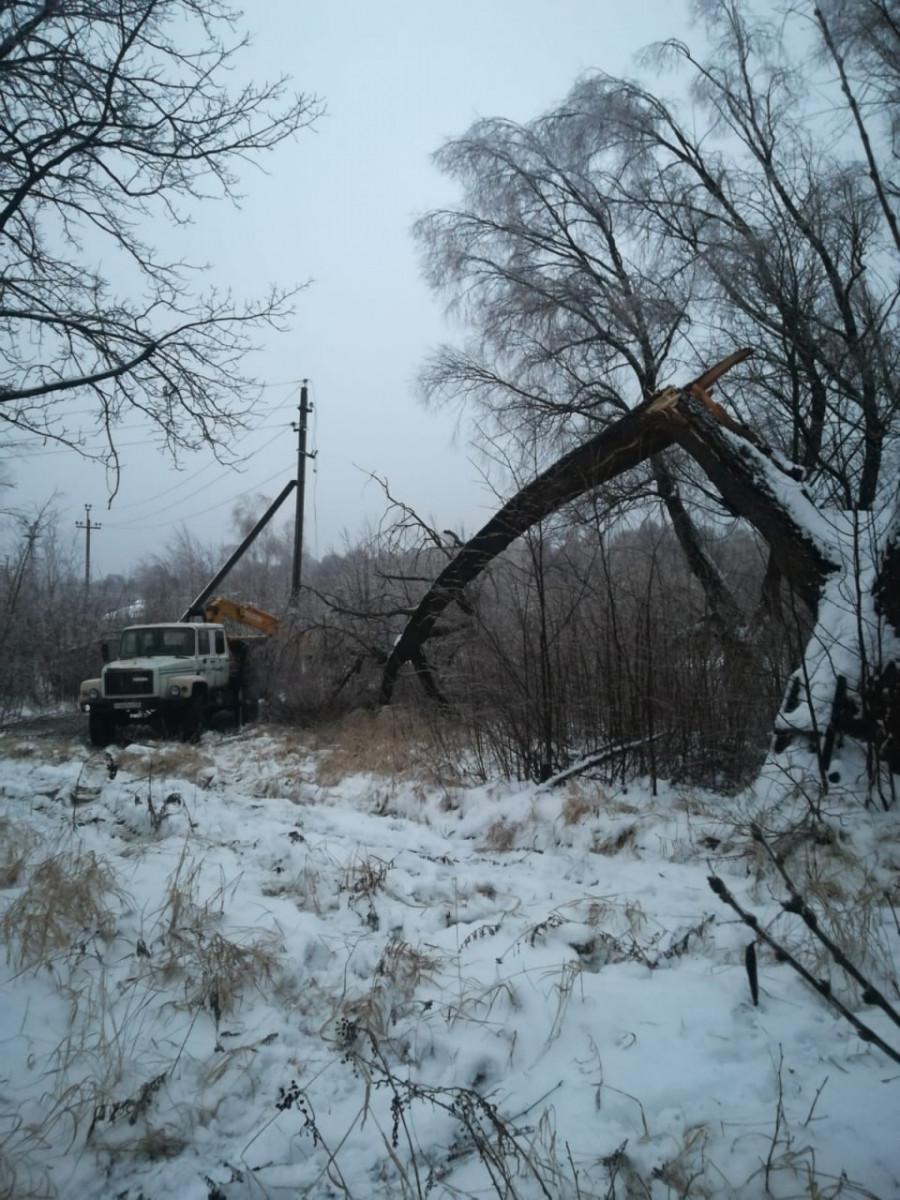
point(246, 614)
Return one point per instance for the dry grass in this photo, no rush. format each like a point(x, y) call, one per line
point(217, 969)
point(694, 806)
point(854, 918)
point(66, 903)
point(614, 843)
point(16, 751)
point(577, 806)
point(584, 800)
point(377, 1012)
point(501, 835)
point(186, 945)
point(186, 760)
point(847, 893)
point(815, 865)
point(394, 742)
point(273, 763)
point(24, 1173)
point(44, 751)
point(16, 843)
point(515, 1161)
point(184, 957)
point(365, 876)
point(403, 967)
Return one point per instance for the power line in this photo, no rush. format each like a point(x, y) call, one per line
point(315, 459)
point(209, 466)
point(92, 412)
point(212, 508)
point(181, 500)
point(95, 452)
point(37, 447)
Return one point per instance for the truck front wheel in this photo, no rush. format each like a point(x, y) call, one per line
point(101, 728)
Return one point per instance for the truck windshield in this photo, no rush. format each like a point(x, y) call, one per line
point(165, 641)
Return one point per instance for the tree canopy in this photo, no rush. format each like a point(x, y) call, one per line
point(606, 246)
point(117, 119)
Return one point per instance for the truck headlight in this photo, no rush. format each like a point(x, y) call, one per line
point(94, 694)
point(174, 689)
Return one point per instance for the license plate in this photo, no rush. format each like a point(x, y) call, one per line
point(127, 704)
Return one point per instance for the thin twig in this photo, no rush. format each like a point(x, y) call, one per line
point(796, 904)
point(812, 1107)
point(823, 987)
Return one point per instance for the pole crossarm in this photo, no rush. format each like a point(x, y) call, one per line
point(88, 526)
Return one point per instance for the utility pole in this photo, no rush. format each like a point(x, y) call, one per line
point(302, 456)
point(87, 527)
point(28, 561)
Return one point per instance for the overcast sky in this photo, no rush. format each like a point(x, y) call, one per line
point(336, 208)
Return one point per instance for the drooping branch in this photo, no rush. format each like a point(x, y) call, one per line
point(768, 494)
point(724, 609)
point(621, 446)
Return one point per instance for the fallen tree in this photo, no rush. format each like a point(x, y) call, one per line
point(843, 565)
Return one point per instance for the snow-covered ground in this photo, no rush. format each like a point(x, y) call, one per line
point(232, 971)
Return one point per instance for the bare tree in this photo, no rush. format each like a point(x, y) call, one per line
point(577, 304)
point(763, 231)
point(116, 115)
point(785, 224)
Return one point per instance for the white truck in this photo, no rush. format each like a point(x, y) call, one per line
point(173, 675)
point(176, 673)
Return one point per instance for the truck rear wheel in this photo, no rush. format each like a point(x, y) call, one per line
point(192, 719)
point(101, 728)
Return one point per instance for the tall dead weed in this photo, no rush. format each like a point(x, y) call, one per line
point(394, 743)
point(66, 902)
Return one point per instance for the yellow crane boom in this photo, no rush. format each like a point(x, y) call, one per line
point(247, 614)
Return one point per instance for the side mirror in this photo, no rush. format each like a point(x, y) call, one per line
point(104, 651)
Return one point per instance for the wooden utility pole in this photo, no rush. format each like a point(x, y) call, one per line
point(87, 527)
point(302, 455)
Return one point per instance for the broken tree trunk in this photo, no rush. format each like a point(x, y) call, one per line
point(620, 447)
point(845, 567)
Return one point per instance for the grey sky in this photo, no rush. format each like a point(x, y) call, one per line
point(336, 208)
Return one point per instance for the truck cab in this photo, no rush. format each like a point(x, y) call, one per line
point(173, 674)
